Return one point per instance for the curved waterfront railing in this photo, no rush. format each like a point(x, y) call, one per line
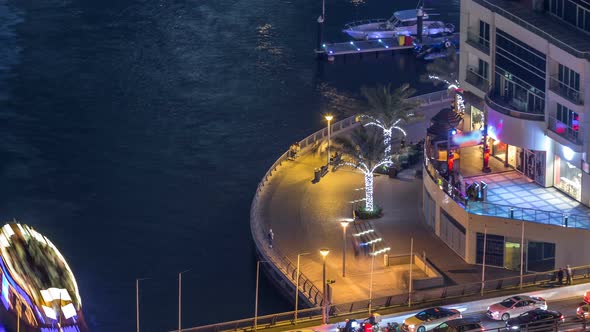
point(421, 298)
point(280, 261)
point(275, 257)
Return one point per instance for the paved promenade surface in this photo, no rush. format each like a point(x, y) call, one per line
point(306, 217)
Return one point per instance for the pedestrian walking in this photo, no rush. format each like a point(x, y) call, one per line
point(271, 237)
point(560, 276)
point(568, 274)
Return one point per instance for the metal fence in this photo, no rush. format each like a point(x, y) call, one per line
point(418, 299)
point(506, 211)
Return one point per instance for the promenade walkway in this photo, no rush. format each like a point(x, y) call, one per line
point(306, 217)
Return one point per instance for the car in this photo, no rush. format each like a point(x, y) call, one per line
point(514, 306)
point(460, 325)
point(537, 320)
point(430, 318)
point(583, 311)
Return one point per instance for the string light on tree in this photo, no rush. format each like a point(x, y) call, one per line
point(368, 173)
point(387, 131)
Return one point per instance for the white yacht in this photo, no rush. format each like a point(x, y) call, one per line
point(403, 22)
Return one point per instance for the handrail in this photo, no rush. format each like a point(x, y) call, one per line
point(365, 21)
point(506, 211)
point(358, 307)
point(534, 29)
point(564, 90)
point(420, 298)
point(279, 260)
point(566, 132)
point(475, 79)
point(508, 110)
point(476, 40)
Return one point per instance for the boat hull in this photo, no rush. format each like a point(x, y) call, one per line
point(376, 31)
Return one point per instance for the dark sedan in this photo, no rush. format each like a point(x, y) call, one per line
point(538, 320)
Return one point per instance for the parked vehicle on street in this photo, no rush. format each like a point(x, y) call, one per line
point(430, 318)
point(515, 306)
point(460, 325)
point(536, 320)
point(583, 311)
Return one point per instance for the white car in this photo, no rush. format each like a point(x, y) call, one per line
point(429, 319)
point(515, 306)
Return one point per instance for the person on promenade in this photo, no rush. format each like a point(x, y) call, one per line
point(271, 237)
point(568, 275)
point(560, 276)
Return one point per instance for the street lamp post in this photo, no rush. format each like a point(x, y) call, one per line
point(329, 118)
point(411, 267)
point(297, 284)
point(256, 300)
point(483, 266)
point(371, 284)
point(137, 304)
point(137, 280)
point(344, 224)
point(324, 253)
point(180, 299)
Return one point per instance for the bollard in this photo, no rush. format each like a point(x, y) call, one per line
point(511, 213)
point(565, 219)
point(317, 175)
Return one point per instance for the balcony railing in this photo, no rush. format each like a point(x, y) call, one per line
point(477, 41)
point(513, 107)
point(555, 218)
point(565, 91)
point(478, 81)
point(564, 131)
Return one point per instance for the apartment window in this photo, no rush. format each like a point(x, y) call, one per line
point(484, 33)
point(520, 60)
point(568, 122)
point(576, 12)
point(569, 78)
point(483, 69)
point(494, 249)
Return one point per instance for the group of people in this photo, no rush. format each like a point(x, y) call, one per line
point(568, 275)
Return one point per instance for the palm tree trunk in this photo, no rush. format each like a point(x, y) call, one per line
point(387, 141)
point(369, 191)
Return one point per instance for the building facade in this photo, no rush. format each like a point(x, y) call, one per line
point(525, 70)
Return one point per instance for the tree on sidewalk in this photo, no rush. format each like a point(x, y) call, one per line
point(389, 109)
point(364, 150)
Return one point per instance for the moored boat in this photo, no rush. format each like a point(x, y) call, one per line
point(403, 22)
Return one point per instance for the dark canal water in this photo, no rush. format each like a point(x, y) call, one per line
point(133, 134)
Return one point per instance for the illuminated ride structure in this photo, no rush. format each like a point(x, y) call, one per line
point(38, 289)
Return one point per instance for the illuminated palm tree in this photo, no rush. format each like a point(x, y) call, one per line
point(364, 150)
point(389, 109)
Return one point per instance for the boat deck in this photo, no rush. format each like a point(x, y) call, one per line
point(377, 45)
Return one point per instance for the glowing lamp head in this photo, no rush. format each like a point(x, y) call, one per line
point(344, 224)
point(329, 117)
point(324, 252)
point(453, 131)
point(568, 153)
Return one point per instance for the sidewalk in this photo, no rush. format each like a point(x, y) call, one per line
point(306, 217)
